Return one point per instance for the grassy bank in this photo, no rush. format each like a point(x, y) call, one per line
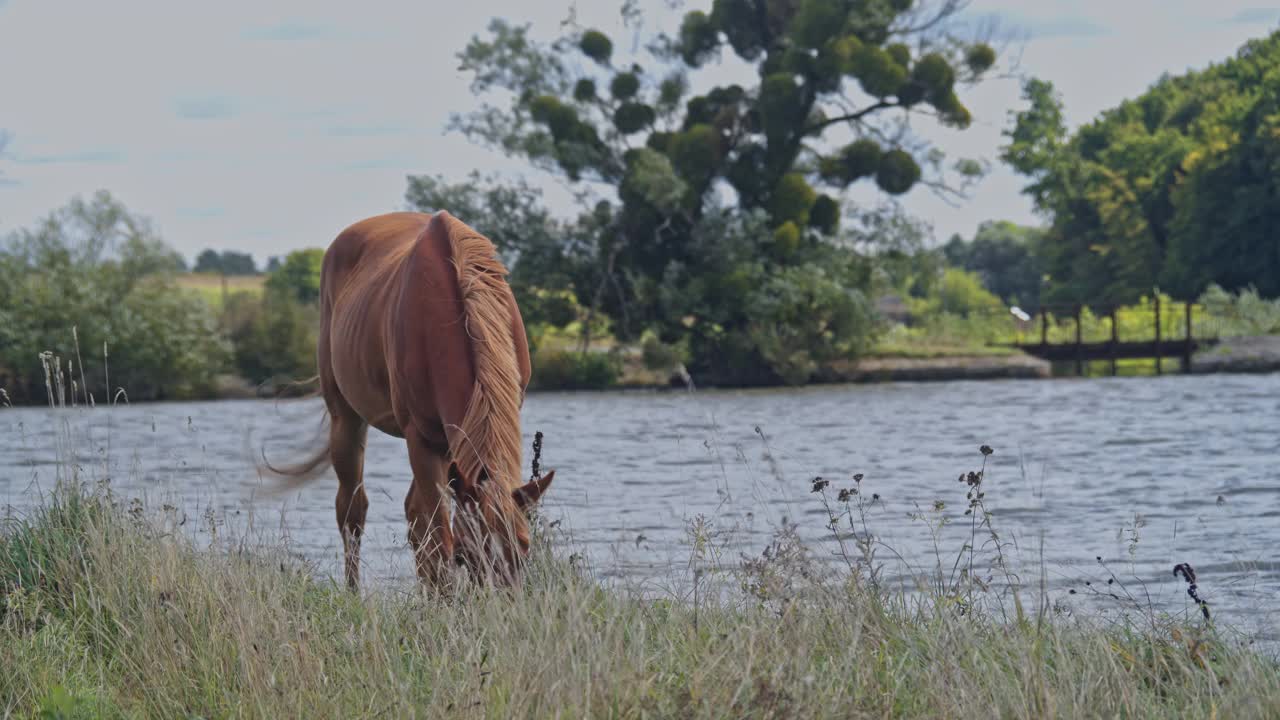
point(108, 611)
point(209, 285)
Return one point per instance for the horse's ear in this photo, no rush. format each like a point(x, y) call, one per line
point(528, 494)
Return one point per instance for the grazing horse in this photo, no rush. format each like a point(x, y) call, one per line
point(421, 338)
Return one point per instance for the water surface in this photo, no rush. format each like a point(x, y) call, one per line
point(1141, 472)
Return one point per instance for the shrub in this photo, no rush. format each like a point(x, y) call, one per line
point(572, 370)
point(94, 267)
point(659, 356)
point(273, 336)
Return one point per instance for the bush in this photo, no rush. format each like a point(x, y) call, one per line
point(94, 267)
point(803, 318)
point(961, 293)
point(273, 336)
point(571, 370)
point(299, 276)
point(659, 356)
point(1245, 313)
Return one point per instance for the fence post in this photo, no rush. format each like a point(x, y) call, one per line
point(1159, 369)
point(1079, 346)
point(1115, 341)
point(1044, 326)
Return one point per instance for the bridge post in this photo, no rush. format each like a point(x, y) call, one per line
point(1115, 341)
point(1079, 344)
point(1159, 370)
point(1044, 326)
point(1190, 346)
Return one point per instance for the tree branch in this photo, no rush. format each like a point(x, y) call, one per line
point(851, 117)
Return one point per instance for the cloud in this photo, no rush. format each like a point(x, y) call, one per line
point(1256, 16)
point(206, 108)
point(83, 157)
point(288, 31)
point(1039, 26)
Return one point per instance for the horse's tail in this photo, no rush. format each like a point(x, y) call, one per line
point(489, 436)
point(317, 460)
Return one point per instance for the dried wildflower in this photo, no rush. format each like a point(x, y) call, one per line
point(986, 450)
point(819, 484)
point(537, 455)
point(847, 494)
point(1189, 574)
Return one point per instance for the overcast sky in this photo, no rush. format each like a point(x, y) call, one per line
point(234, 126)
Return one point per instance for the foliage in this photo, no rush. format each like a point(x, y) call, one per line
point(574, 370)
point(961, 292)
point(659, 356)
point(1174, 188)
point(227, 262)
point(273, 336)
point(837, 88)
point(1244, 313)
point(299, 276)
point(97, 268)
point(1006, 258)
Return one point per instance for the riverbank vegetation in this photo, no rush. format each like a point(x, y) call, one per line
point(715, 231)
point(109, 608)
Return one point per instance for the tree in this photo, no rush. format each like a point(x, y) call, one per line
point(1173, 188)
point(96, 267)
point(299, 276)
point(663, 167)
point(208, 261)
point(227, 262)
point(1005, 257)
point(238, 263)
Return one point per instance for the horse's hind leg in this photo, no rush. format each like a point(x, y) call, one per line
point(427, 509)
point(347, 434)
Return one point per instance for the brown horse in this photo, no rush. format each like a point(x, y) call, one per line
point(421, 338)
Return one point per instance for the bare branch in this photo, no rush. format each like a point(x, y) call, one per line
point(851, 117)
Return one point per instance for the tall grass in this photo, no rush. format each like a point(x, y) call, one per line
point(110, 609)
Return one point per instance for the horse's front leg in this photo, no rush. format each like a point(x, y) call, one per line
point(427, 509)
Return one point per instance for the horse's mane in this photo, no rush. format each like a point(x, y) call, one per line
point(489, 436)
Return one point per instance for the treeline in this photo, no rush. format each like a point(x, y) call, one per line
point(714, 231)
point(231, 262)
point(1176, 188)
point(97, 287)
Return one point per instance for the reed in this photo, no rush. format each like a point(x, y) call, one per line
point(108, 608)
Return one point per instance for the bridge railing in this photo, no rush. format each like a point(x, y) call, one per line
point(1155, 328)
point(1069, 324)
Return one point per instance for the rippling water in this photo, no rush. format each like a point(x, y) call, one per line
point(1189, 464)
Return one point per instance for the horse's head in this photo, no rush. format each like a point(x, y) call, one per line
point(491, 524)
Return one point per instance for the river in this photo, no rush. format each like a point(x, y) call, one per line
point(1142, 472)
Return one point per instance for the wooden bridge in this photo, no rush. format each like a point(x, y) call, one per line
point(1167, 341)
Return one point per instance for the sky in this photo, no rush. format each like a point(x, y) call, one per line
point(235, 126)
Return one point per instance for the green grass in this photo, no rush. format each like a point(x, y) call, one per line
point(107, 611)
point(925, 350)
point(209, 285)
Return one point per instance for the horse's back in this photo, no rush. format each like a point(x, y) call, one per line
point(358, 281)
point(394, 331)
